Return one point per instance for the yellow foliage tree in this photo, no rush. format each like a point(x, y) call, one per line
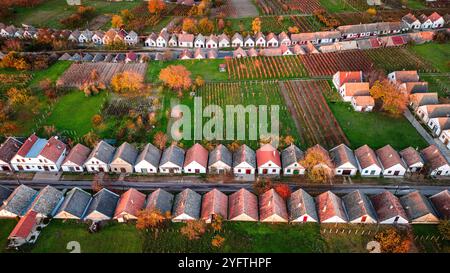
point(156, 6)
point(392, 242)
point(318, 164)
point(176, 77)
point(127, 82)
point(393, 100)
point(116, 21)
point(256, 25)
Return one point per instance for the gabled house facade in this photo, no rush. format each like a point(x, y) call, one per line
point(435, 162)
point(148, 160)
point(124, 159)
point(413, 160)
point(391, 162)
point(243, 206)
point(100, 157)
point(272, 208)
point(359, 208)
point(186, 206)
point(330, 208)
point(419, 209)
point(291, 158)
point(129, 204)
point(8, 150)
point(102, 206)
point(220, 160)
point(74, 205)
point(196, 160)
point(214, 204)
point(388, 209)
point(301, 207)
point(172, 160)
point(268, 160)
point(160, 201)
point(344, 160)
point(368, 164)
point(74, 161)
point(244, 161)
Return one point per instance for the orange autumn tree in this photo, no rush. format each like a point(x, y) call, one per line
point(392, 242)
point(189, 25)
point(256, 25)
point(176, 77)
point(156, 6)
point(318, 165)
point(127, 82)
point(151, 219)
point(116, 21)
point(160, 140)
point(392, 99)
point(193, 230)
point(205, 26)
point(283, 190)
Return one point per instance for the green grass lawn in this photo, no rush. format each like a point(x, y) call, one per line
point(416, 4)
point(49, 13)
point(430, 246)
point(268, 24)
point(439, 84)
point(52, 73)
point(74, 111)
point(334, 6)
point(6, 226)
point(437, 54)
point(206, 68)
point(375, 129)
point(113, 238)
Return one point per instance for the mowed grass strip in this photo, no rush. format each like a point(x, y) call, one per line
point(6, 226)
point(113, 238)
point(375, 129)
point(74, 111)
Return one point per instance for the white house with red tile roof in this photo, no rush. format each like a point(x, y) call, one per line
point(196, 160)
point(412, 159)
point(437, 20)
point(224, 41)
point(8, 150)
point(391, 162)
point(26, 230)
point(268, 160)
point(342, 77)
point(427, 112)
point(438, 164)
point(260, 40)
point(271, 40)
point(330, 208)
point(244, 161)
point(344, 160)
point(368, 164)
point(349, 90)
point(243, 206)
point(403, 76)
point(363, 103)
point(186, 40)
point(389, 209)
point(130, 203)
point(40, 155)
point(74, 162)
point(283, 39)
point(444, 137)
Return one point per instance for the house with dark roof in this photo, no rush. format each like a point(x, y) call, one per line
point(419, 99)
point(8, 150)
point(160, 201)
point(272, 208)
point(427, 112)
point(220, 160)
point(214, 203)
point(419, 208)
point(291, 158)
point(74, 161)
point(301, 207)
point(388, 208)
point(186, 206)
point(413, 160)
point(435, 161)
point(4, 193)
point(18, 202)
point(129, 204)
point(148, 160)
point(74, 205)
point(39, 155)
point(244, 161)
point(268, 160)
point(172, 160)
point(413, 87)
point(411, 21)
point(330, 208)
point(441, 202)
point(26, 230)
point(242, 206)
point(359, 208)
point(102, 206)
point(47, 201)
point(124, 159)
point(344, 160)
point(328, 163)
point(196, 160)
point(368, 164)
point(237, 40)
point(391, 162)
point(100, 157)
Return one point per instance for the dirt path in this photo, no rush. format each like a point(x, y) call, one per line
point(244, 8)
point(98, 22)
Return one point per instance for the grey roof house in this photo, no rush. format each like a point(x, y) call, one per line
point(161, 201)
point(100, 157)
point(419, 208)
point(186, 206)
point(74, 205)
point(291, 158)
point(359, 208)
point(47, 201)
point(172, 160)
point(301, 207)
point(148, 160)
point(18, 202)
point(220, 160)
point(102, 206)
point(124, 159)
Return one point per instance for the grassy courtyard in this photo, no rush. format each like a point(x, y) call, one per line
point(435, 53)
point(375, 129)
point(74, 111)
point(208, 69)
point(50, 12)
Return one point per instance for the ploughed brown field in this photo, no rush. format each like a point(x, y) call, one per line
point(78, 73)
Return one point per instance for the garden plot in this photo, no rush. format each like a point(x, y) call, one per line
point(79, 73)
point(244, 8)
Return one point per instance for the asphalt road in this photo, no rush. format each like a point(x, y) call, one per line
point(179, 185)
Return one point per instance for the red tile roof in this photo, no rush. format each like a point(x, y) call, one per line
point(78, 154)
point(364, 101)
point(185, 38)
point(389, 157)
point(349, 76)
point(267, 153)
point(441, 202)
point(433, 157)
point(271, 204)
point(434, 16)
point(130, 202)
point(9, 148)
point(366, 157)
point(357, 89)
point(329, 205)
point(198, 154)
point(53, 149)
point(23, 151)
point(243, 202)
point(387, 206)
point(214, 203)
point(24, 226)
